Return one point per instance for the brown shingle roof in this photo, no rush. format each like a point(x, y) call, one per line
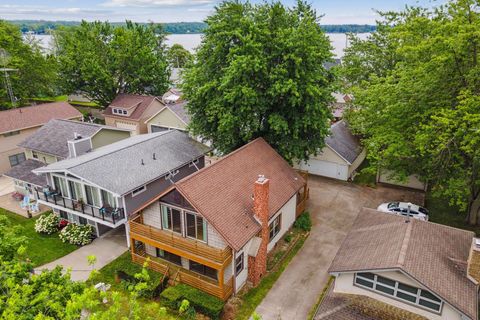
point(433, 254)
point(127, 101)
point(222, 192)
point(33, 116)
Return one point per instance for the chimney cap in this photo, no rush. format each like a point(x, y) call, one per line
point(261, 178)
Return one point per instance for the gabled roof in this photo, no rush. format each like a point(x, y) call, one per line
point(434, 255)
point(52, 137)
point(222, 192)
point(178, 109)
point(34, 116)
point(23, 172)
point(343, 142)
point(118, 167)
point(129, 101)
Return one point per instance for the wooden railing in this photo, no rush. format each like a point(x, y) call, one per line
point(186, 245)
point(181, 275)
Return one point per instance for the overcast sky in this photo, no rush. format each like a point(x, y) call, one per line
point(334, 11)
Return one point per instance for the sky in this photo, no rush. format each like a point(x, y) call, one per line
point(334, 11)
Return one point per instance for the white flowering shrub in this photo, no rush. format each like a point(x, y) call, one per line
point(76, 234)
point(47, 223)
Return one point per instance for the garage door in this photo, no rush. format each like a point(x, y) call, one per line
point(326, 169)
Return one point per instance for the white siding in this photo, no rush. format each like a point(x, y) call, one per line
point(228, 273)
point(151, 215)
point(288, 212)
point(241, 278)
point(214, 238)
point(344, 284)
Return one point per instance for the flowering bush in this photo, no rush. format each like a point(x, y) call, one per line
point(63, 223)
point(76, 234)
point(47, 223)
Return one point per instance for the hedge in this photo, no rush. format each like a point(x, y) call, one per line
point(201, 301)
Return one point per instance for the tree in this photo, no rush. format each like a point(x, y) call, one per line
point(35, 74)
point(259, 73)
point(102, 61)
point(178, 56)
point(11, 239)
point(420, 114)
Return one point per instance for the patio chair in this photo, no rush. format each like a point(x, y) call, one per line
point(25, 203)
point(34, 207)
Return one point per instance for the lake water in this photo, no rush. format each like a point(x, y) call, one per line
point(191, 41)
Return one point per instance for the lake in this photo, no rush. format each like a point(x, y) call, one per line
point(191, 41)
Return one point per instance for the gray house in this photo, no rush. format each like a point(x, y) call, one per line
point(103, 187)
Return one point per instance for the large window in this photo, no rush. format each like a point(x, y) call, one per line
point(239, 264)
point(60, 186)
point(107, 199)
point(203, 269)
point(76, 192)
point(196, 227)
point(171, 219)
point(169, 256)
point(398, 290)
point(16, 159)
point(274, 227)
point(92, 196)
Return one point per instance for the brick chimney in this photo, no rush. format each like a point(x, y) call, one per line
point(258, 264)
point(473, 267)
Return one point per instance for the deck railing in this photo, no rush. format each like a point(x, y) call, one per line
point(180, 243)
point(112, 215)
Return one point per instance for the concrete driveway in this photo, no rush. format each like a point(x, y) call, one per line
point(106, 248)
point(333, 205)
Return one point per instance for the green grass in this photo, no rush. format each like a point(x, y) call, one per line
point(252, 298)
point(65, 98)
point(313, 310)
point(442, 212)
point(41, 248)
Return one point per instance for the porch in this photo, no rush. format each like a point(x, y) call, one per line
point(9, 203)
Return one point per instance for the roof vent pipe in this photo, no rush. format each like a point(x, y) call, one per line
point(143, 163)
point(154, 157)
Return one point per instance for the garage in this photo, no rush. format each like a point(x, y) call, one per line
point(340, 157)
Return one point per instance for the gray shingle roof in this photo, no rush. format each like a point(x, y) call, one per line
point(344, 142)
point(23, 172)
point(118, 167)
point(180, 110)
point(53, 136)
point(433, 254)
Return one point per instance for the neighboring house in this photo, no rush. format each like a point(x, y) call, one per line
point(172, 117)
point(105, 186)
point(213, 229)
point(342, 155)
point(412, 182)
point(390, 267)
point(173, 95)
point(131, 111)
point(19, 123)
point(340, 104)
point(55, 141)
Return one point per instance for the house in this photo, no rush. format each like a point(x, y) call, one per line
point(19, 123)
point(53, 142)
point(412, 181)
point(213, 229)
point(340, 104)
point(341, 156)
point(105, 186)
point(131, 111)
point(173, 116)
point(392, 267)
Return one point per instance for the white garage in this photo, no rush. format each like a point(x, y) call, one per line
point(341, 156)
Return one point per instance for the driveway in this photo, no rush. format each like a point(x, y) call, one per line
point(106, 248)
point(333, 205)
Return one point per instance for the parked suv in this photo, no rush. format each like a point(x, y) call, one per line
point(405, 209)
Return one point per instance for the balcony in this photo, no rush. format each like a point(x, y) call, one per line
point(180, 275)
point(188, 248)
point(110, 216)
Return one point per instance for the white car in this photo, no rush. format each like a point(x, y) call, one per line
point(405, 209)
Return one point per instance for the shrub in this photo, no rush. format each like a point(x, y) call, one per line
point(288, 238)
point(304, 222)
point(47, 223)
point(75, 234)
point(154, 285)
point(199, 300)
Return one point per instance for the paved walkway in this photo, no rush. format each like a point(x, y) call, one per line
point(106, 248)
point(6, 185)
point(333, 206)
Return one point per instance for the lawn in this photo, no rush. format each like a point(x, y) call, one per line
point(65, 98)
point(442, 212)
point(41, 248)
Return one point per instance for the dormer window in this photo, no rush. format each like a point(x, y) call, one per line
point(119, 111)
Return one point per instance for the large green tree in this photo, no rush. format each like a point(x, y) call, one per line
point(259, 72)
point(420, 113)
point(102, 60)
point(178, 56)
point(34, 73)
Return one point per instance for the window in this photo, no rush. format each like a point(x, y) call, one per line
point(274, 227)
point(16, 159)
point(92, 196)
point(34, 155)
point(203, 269)
point(60, 186)
point(196, 227)
point(119, 111)
point(169, 256)
point(11, 133)
point(82, 221)
point(75, 190)
point(156, 128)
point(138, 190)
point(239, 264)
point(63, 215)
point(401, 291)
point(171, 219)
point(107, 199)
